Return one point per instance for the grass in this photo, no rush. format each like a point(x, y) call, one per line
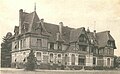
point(21, 71)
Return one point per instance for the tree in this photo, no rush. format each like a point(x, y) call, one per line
point(31, 61)
point(5, 50)
point(117, 62)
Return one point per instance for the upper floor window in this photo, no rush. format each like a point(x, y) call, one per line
point(24, 42)
point(51, 45)
point(111, 43)
point(59, 46)
point(21, 43)
point(82, 38)
point(82, 48)
point(39, 43)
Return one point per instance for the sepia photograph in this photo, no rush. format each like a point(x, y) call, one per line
point(59, 36)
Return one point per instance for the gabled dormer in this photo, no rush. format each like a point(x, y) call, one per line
point(105, 39)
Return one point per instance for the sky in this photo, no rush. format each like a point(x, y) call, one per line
point(100, 15)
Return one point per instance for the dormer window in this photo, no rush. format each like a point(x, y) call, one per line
point(25, 27)
point(111, 43)
point(38, 28)
point(59, 46)
point(82, 38)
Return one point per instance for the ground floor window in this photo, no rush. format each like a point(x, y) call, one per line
point(51, 58)
point(66, 59)
point(94, 61)
point(108, 61)
point(73, 59)
point(38, 55)
point(81, 60)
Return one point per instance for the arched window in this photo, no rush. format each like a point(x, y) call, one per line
point(73, 59)
point(108, 61)
point(59, 58)
point(51, 58)
point(66, 59)
point(15, 60)
point(38, 54)
point(59, 55)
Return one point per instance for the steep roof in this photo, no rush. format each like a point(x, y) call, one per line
point(68, 34)
point(103, 37)
point(92, 37)
point(75, 33)
point(53, 29)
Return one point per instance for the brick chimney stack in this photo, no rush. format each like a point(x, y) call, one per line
point(60, 27)
point(94, 33)
point(20, 20)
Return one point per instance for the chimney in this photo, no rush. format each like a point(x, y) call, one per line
point(88, 31)
point(60, 27)
point(20, 20)
point(58, 35)
point(94, 33)
point(42, 20)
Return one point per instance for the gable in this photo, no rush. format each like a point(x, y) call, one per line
point(76, 34)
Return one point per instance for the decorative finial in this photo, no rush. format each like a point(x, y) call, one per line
point(88, 30)
point(35, 7)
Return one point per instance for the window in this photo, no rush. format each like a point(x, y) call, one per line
point(81, 60)
point(51, 45)
point(82, 38)
point(108, 61)
point(26, 25)
point(100, 51)
point(66, 59)
point(59, 55)
point(73, 59)
point(39, 43)
point(38, 54)
point(94, 61)
point(24, 53)
point(59, 46)
point(111, 43)
point(15, 60)
point(24, 59)
point(24, 43)
point(59, 58)
point(21, 44)
point(51, 58)
point(16, 45)
point(82, 48)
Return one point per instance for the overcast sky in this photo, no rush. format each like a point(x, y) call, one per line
point(73, 13)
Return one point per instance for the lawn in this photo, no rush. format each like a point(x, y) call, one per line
point(21, 71)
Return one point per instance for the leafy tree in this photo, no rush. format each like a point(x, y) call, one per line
point(5, 50)
point(117, 61)
point(31, 61)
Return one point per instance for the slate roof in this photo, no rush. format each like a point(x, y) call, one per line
point(75, 33)
point(92, 37)
point(53, 29)
point(68, 34)
point(103, 37)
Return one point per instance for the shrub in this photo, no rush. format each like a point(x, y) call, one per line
point(31, 61)
point(88, 68)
